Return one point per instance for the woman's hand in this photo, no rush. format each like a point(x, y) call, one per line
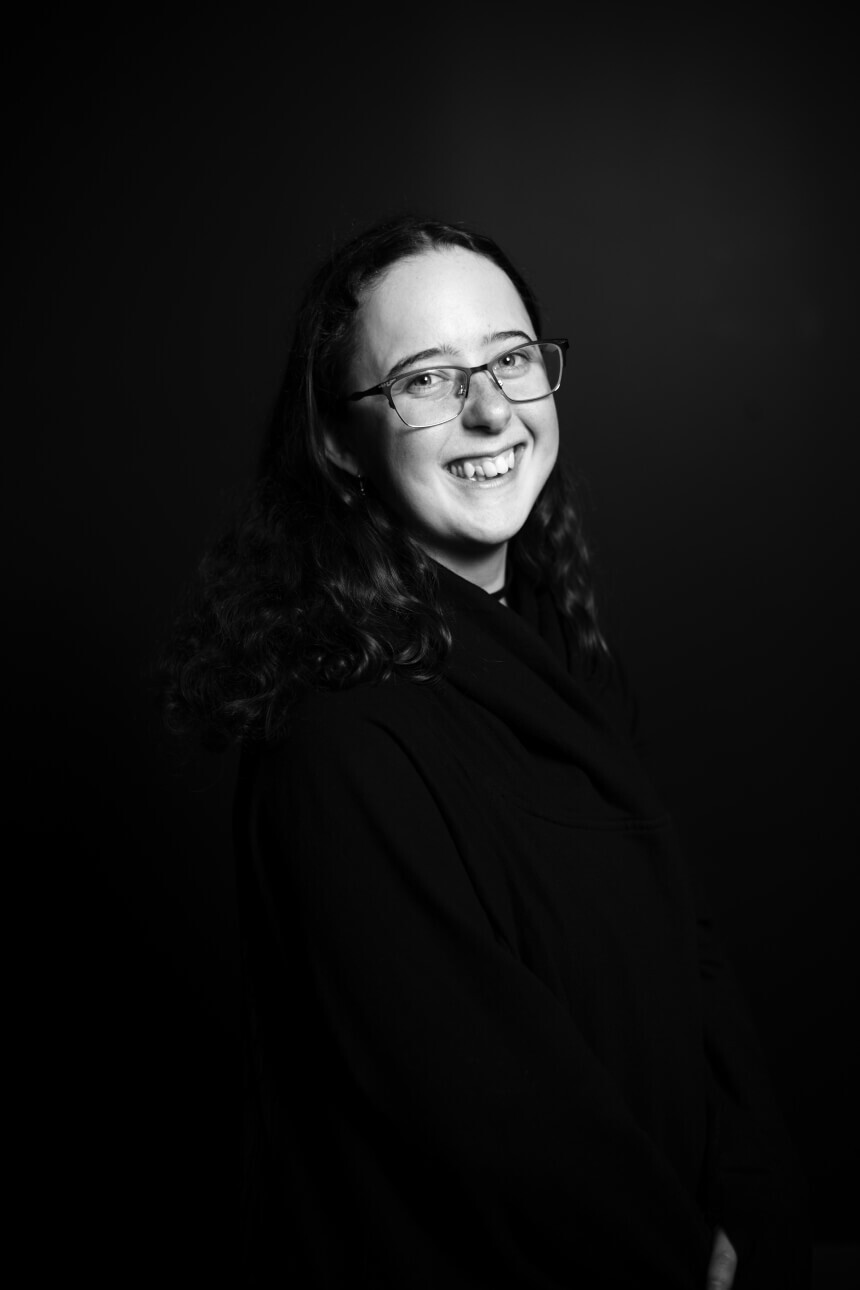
point(723, 1264)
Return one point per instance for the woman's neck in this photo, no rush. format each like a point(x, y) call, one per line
point(486, 570)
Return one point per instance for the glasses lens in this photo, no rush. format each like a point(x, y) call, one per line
point(529, 372)
point(430, 397)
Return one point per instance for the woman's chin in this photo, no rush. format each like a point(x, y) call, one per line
point(476, 541)
point(496, 527)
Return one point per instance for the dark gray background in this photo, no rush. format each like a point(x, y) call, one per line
point(683, 195)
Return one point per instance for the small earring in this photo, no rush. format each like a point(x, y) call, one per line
point(361, 486)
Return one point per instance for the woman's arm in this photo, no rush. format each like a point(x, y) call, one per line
point(758, 1193)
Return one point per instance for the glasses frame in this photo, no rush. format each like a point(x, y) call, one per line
point(384, 387)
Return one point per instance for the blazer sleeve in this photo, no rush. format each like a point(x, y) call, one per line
point(455, 1069)
point(757, 1191)
point(756, 1188)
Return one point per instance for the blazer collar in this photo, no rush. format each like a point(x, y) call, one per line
point(522, 664)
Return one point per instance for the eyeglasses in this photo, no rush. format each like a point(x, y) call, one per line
point(430, 396)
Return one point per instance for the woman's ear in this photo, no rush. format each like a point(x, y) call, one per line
point(338, 453)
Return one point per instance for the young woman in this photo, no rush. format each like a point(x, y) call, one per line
point(490, 1041)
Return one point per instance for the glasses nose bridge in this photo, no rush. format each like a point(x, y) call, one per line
point(469, 373)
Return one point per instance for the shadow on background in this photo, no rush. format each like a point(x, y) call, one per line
point(684, 199)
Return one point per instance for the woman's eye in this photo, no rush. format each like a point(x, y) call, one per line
point(513, 362)
point(424, 383)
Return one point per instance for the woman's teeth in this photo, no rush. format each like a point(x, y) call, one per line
point(484, 467)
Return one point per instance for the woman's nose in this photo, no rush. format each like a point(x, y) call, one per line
point(486, 408)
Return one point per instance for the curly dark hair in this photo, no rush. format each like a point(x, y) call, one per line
point(315, 585)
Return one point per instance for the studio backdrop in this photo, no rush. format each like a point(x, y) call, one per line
point(684, 200)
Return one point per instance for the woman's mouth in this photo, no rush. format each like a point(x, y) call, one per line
point(478, 469)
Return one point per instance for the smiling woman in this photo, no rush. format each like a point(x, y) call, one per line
point(490, 1039)
point(320, 580)
point(471, 310)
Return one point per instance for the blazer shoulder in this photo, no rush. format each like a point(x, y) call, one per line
point(324, 719)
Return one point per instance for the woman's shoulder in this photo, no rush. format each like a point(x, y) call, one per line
point(326, 719)
point(361, 749)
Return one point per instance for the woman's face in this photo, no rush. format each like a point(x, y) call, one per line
point(448, 306)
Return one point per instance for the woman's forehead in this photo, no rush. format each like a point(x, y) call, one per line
point(450, 296)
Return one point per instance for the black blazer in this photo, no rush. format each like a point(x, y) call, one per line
point(492, 1041)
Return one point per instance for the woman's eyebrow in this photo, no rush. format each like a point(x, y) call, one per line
point(448, 351)
point(411, 359)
